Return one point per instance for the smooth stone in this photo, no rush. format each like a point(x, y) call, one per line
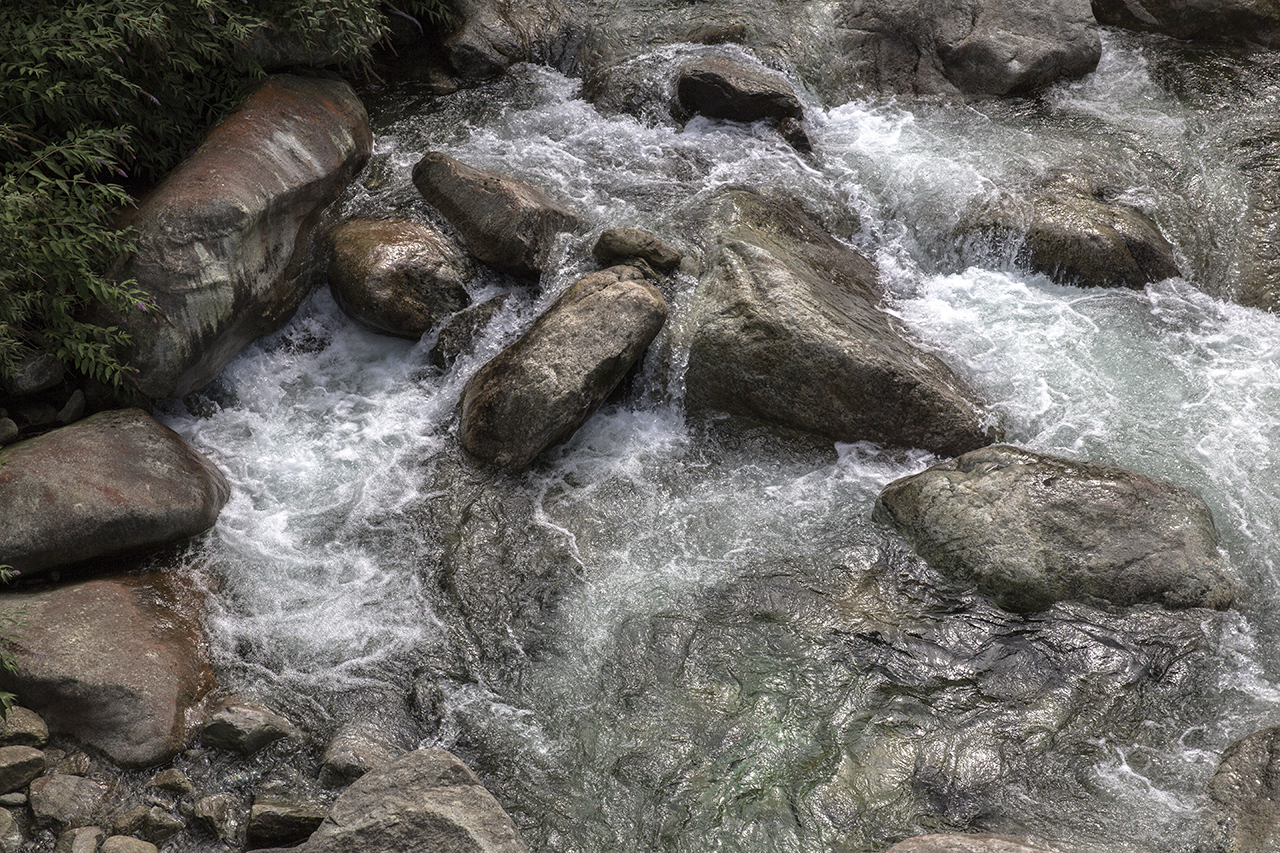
point(117, 663)
point(507, 223)
point(112, 484)
point(245, 727)
point(396, 277)
point(619, 245)
point(1030, 530)
point(787, 331)
point(82, 839)
point(224, 242)
point(538, 391)
point(69, 801)
point(23, 727)
point(18, 766)
point(12, 840)
point(723, 88)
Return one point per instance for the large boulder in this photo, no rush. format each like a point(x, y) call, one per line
point(974, 47)
point(1030, 530)
point(118, 664)
point(425, 802)
point(787, 331)
point(507, 223)
point(397, 277)
point(539, 390)
point(1244, 797)
point(1232, 21)
point(223, 243)
point(1076, 237)
point(491, 35)
point(114, 483)
point(955, 842)
point(719, 87)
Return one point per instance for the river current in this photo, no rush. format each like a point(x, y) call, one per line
point(681, 635)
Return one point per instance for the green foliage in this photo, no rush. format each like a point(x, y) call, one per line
point(96, 92)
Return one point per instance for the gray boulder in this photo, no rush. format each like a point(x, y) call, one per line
point(1232, 21)
point(1030, 530)
point(962, 843)
point(491, 35)
point(396, 277)
point(1244, 797)
point(115, 483)
point(508, 224)
point(719, 87)
point(788, 332)
point(223, 243)
point(1075, 237)
point(619, 245)
point(973, 47)
point(426, 802)
point(244, 727)
point(118, 664)
point(539, 390)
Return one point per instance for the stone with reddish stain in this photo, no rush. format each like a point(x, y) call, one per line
point(224, 242)
point(119, 664)
point(115, 483)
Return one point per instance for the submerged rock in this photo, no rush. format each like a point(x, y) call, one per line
point(1077, 238)
point(974, 47)
point(508, 224)
point(426, 802)
point(1030, 530)
point(1244, 797)
point(539, 390)
point(117, 664)
point(115, 483)
point(223, 243)
point(788, 332)
point(396, 277)
point(961, 843)
point(459, 333)
point(1233, 21)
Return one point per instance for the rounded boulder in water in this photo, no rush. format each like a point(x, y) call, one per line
point(1030, 530)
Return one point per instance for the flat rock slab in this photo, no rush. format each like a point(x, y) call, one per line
point(397, 277)
point(961, 843)
point(538, 391)
point(789, 332)
point(118, 664)
point(507, 223)
point(223, 241)
point(1244, 796)
point(1030, 530)
point(426, 802)
point(114, 483)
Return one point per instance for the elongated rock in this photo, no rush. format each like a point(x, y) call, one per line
point(118, 664)
point(507, 223)
point(1029, 530)
point(223, 242)
point(1232, 21)
point(539, 390)
point(962, 843)
point(114, 483)
point(789, 332)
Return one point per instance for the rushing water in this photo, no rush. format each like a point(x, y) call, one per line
point(684, 636)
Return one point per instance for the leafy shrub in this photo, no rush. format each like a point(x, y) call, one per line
point(99, 92)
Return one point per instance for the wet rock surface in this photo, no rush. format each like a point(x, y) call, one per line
point(718, 87)
point(426, 801)
point(115, 483)
point(1244, 797)
point(276, 820)
point(223, 243)
point(1237, 21)
point(958, 843)
point(507, 223)
point(619, 245)
point(117, 664)
point(85, 839)
point(245, 727)
point(459, 333)
point(69, 801)
point(1031, 530)
point(23, 727)
point(18, 766)
point(538, 391)
point(396, 277)
point(491, 35)
point(788, 331)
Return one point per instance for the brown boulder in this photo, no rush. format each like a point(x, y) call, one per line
point(223, 243)
point(118, 664)
point(115, 483)
point(396, 277)
point(508, 224)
